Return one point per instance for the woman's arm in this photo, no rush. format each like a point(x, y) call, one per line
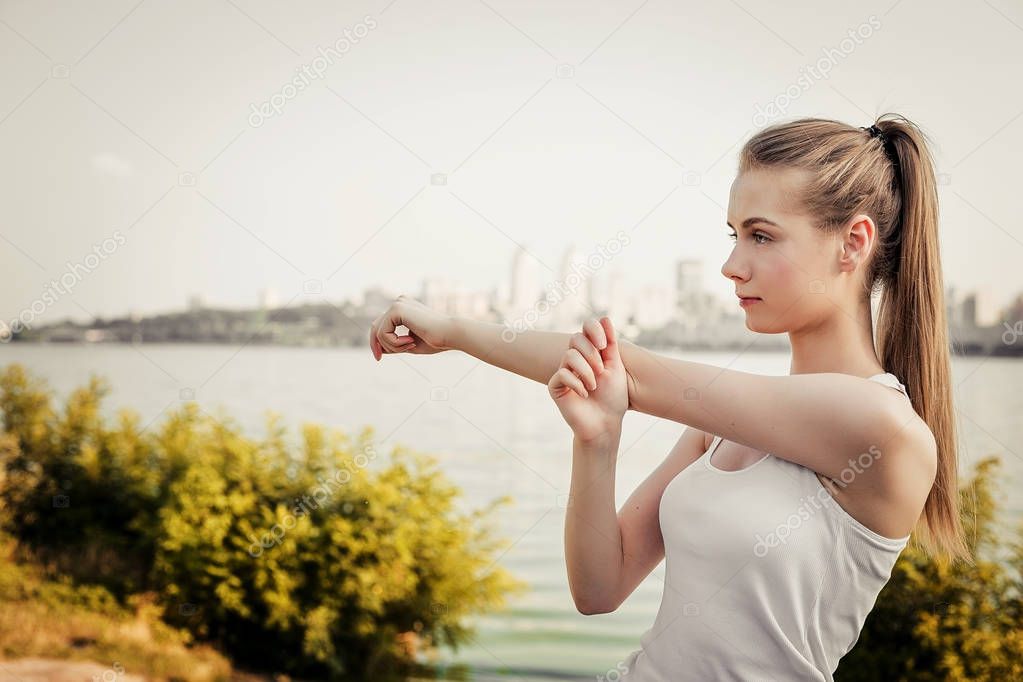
point(593, 539)
point(633, 542)
point(533, 354)
point(820, 421)
point(593, 403)
point(529, 353)
point(835, 424)
point(826, 421)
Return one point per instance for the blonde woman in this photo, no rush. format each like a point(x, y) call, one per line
point(781, 510)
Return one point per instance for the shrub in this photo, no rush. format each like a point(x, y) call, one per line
point(959, 623)
point(306, 559)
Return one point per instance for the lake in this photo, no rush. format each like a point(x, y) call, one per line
point(494, 433)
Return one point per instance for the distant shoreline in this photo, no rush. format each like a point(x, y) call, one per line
point(1011, 351)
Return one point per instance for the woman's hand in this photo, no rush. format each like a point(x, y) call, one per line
point(590, 386)
point(429, 330)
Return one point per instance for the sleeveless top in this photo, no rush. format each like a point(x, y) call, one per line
point(766, 576)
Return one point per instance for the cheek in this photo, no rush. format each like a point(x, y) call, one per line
point(782, 275)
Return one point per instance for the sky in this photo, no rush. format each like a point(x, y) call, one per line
point(156, 150)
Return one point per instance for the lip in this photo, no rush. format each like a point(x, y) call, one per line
point(744, 301)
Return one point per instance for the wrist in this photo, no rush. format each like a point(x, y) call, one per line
point(604, 441)
point(453, 334)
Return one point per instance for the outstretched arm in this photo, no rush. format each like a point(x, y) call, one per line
point(820, 421)
point(529, 353)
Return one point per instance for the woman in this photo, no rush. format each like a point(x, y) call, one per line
point(784, 505)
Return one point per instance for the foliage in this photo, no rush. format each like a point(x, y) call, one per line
point(958, 622)
point(313, 559)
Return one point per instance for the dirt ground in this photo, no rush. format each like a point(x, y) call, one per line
point(47, 670)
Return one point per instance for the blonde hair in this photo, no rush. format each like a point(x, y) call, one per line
point(889, 177)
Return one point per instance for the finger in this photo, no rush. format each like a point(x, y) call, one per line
point(397, 318)
point(392, 340)
point(611, 353)
point(378, 348)
point(588, 351)
point(380, 327)
point(373, 345)
point(574, 360)
point(385, 335)
point(390, 347)
point(595, 333)
point(404, 346)
point(386, 325)
point(565, 378)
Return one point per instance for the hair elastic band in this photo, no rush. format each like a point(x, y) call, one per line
point(889, 150)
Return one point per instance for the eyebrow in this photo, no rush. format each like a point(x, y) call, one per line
point(749, 222)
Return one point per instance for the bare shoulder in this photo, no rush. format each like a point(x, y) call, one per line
point(908, 476)
point(913, 467)
point(887, 490)
point(910, 442)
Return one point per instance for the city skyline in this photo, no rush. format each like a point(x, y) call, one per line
point(184, 159)
point(598, 288)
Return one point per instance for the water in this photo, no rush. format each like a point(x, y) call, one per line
point(494, 433)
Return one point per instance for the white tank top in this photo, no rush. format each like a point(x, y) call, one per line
point(766, 576)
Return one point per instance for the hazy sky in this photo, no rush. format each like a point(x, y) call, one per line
point(138, 123)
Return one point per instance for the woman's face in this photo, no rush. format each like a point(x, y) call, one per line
point(779, 256)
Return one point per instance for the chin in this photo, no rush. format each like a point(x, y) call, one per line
point(755, 323)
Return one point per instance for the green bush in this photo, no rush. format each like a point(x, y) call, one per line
point(308, 559)
point(960, 623)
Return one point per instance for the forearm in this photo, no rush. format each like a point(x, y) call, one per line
point(593, 539)
point(533, 354)
point(530, 353)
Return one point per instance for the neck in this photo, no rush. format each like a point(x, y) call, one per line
point(842, 343)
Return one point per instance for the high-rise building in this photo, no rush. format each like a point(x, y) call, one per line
point(268, 298)
point(694, 306)
point(526, 284)
point(654, 306)
point(618, 307)
point(571, 291)
point(445, 295)
point(979, 308)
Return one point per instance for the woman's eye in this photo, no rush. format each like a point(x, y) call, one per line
point(756, 235)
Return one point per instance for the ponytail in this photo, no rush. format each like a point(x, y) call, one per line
point(912, 330)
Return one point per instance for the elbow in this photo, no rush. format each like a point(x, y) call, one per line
point(593, 608)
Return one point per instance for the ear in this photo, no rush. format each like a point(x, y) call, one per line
point(857, 242)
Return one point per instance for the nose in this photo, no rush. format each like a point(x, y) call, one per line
point(734, 269)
